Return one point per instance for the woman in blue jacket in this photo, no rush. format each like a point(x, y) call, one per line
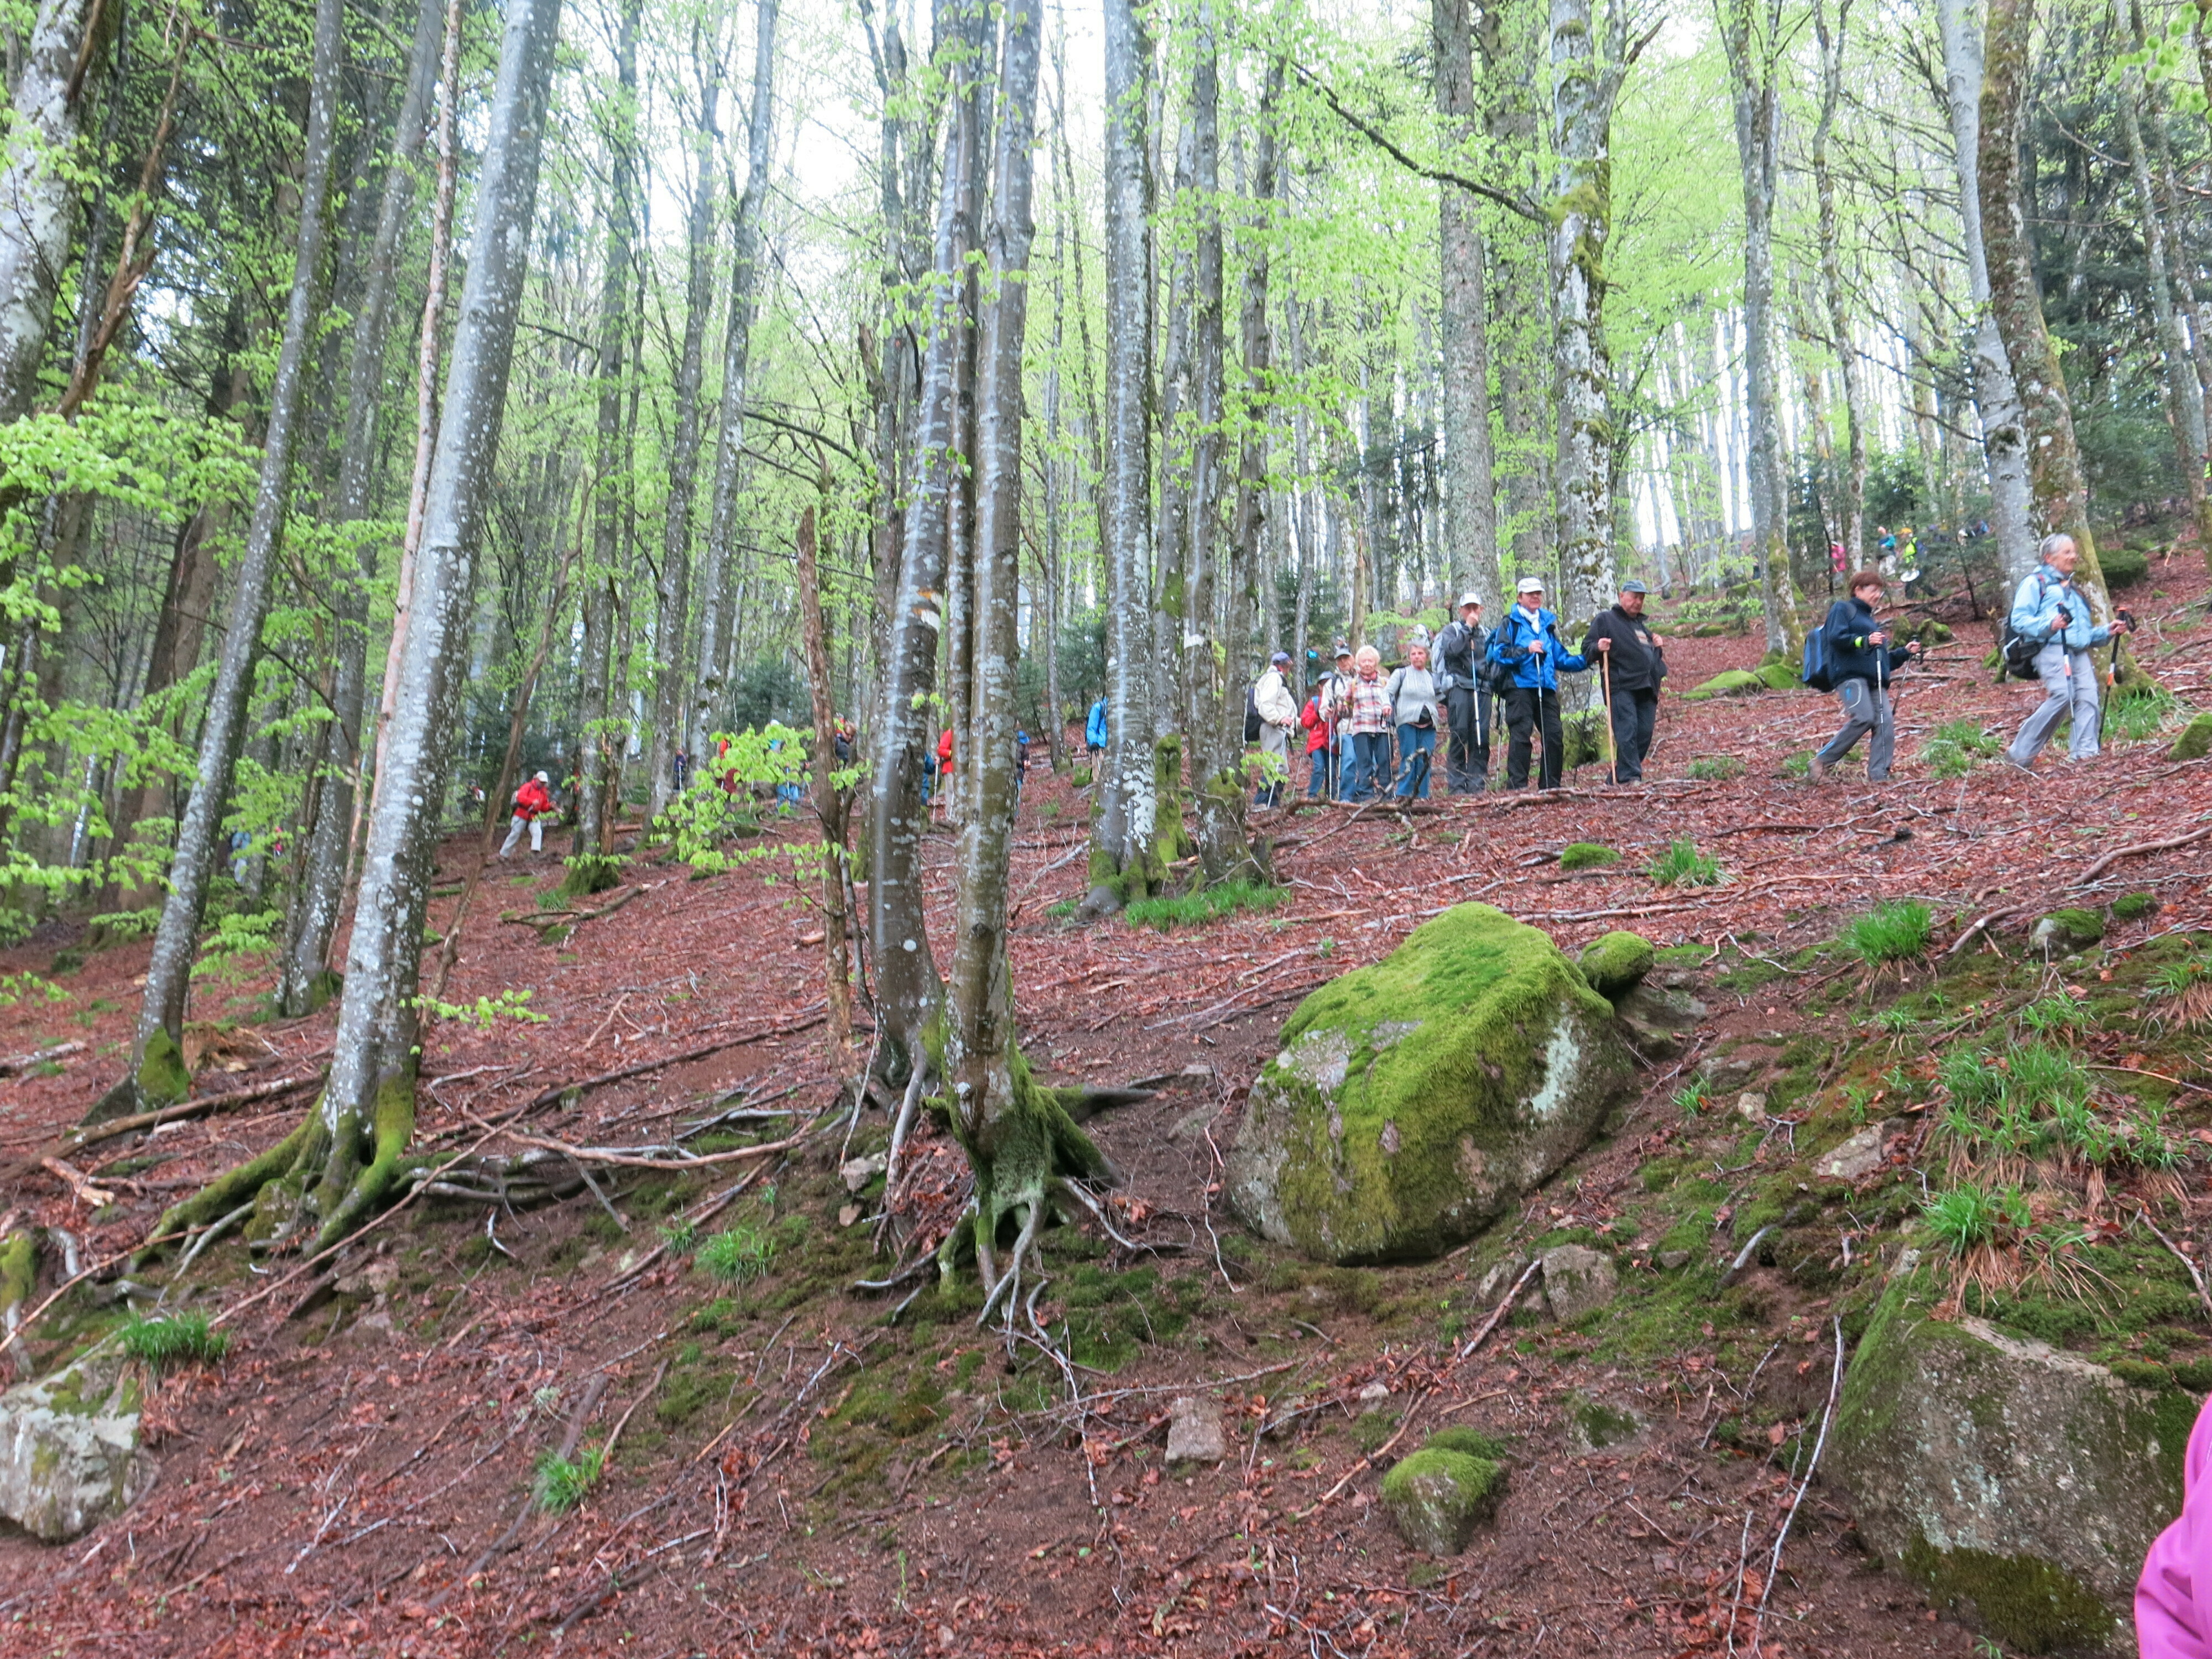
point(1527, 641)
point(1863, 666)
point(2050, 610)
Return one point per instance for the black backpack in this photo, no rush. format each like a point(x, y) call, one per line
point(2019, 651)
point(1252, 721)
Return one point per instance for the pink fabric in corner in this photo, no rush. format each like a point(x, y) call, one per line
point(2173, 1600)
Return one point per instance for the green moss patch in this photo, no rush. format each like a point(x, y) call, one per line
point(1587, 855)
point(1613, 962)
point(2030, 1606)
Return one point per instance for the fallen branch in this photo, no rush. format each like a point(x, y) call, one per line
point(627, 1160)
point(546, 1097)
point(92, 1197)
point(2140, 848)
point(505, 1541)
point(1774, 1561)
point(11, 1064)
point(77, 1140)
point(1498, 1312)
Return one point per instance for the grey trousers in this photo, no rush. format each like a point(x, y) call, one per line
point(1865, 709)
point(515, 826)
point(2069, 686)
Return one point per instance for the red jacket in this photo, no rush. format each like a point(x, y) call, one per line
point(1316, 725)
point(531, 801)
point(944, 748)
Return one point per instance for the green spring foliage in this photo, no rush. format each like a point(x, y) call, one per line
point(1716, 768)
point(1893, 931)
point(1683, 866)
point(1968, 1216)
point(1207, 905)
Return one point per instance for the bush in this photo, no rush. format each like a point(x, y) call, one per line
point(2123, 567)
point(1683, 866)
point(1207, 905)
point(174, 1339)
point(561, 1486)
point(1892, 931)
point(1587, 855)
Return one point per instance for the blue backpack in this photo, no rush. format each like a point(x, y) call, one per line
point(1817, 669)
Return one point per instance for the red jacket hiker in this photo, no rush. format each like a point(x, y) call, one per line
point(533, 800)
point(534, 804)
point(1316, 725)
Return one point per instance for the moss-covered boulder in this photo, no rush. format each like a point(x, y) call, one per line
point(2062, 932)
point(1731, 683)
point(2195, 741)
point(1778, 676)
point(1415, 1101)
point(1613, 961)
point(70, 1457)
point(2017, 1484)
point(1437, 1498)
point(1587, 855)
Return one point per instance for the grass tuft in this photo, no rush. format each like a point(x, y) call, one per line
point(1683, 866)
point(174, 1339)
point(1968, 1216)
point(1207, 905)
point(737, 1256)
point(1892, 931)
point(1714, 768)
point(560, 1484)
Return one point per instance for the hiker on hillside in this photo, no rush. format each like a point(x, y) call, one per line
point(1367, 725)
point(1634, 665)
point(1316, 730)
point(1336, 706)
point(1461, 649)
point(533, 804)
point(1863, 666)
point(1279, 716)
point(1414, 710)
point(2048, 608)
point(1094, 733)
point(1527, 643)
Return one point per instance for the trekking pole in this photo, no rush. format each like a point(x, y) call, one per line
point(1612, 751)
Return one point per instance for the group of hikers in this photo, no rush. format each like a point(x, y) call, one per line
point(1366, 733)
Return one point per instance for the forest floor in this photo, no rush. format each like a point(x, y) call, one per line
point(799, 1472)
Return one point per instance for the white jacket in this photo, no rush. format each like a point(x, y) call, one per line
point(1273, 696)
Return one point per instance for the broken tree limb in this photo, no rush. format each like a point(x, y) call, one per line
point(546, 1097)
point(77, 1140)
point(2140, 847)
point(12, 1064)
point(622, 1157)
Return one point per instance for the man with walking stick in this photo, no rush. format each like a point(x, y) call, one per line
point(1461, 649)
point(1526, 643)
point(1630, 665)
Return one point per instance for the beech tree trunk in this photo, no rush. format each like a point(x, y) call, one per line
point(1996, 396)
point(1850, 510)
point(157, 1074)
point(1122, 849)
point(304, 983)
point(737, 352)
point(341, 1160)
point(831, 804)
point(604, 726)
point(1470, 489)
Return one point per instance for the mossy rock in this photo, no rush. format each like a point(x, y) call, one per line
point(2134, 906)
point(1731, 683)
point(1439, 1497)
point(1582, 739)
point(70, 1455)
point(2195, 741)
point(1613, 961)
point(2015, 1482)
point(1778, 677)
point(1414, 1102)
point(2123, 567)
point(1587, 855)
point(1458, 1438)
point(589, 873)
point(2063, 932)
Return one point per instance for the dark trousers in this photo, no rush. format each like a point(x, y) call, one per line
point(1633, 713)
point(1526, 707)
point(1467, 765)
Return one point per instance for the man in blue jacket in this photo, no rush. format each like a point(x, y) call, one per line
point(1527, 641)
point(1863, 666)
point(2048, 608)
point(1094, 733)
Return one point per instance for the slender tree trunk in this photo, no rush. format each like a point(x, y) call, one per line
point(1254, 590)
point(1996, 396)
point(1470, 492)
point(344, 1158)
point(601, 725)
point(737, 350)
point(1122, 845)
point(157, 1073)
point(672, 686)
point(909, 992)
point(831, 804)
point(305, 983)
point(1850, 510)
point(2058, 489)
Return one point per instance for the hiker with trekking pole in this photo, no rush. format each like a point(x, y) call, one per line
point(1464, 676)
point(2053, 634)
point(1528, 644)
point(1335, 707)
point(1630, 665)
point(1414, 709)
point(1850, 653)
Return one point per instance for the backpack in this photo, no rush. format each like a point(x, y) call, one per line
point(2019, 650)
point(1817, 669)
point(1252, 721)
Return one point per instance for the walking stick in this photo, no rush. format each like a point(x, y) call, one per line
point(1612, 752)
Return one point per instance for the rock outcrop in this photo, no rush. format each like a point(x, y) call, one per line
point(2016, 1483)
point(70, 1455)
point(1415, 1101)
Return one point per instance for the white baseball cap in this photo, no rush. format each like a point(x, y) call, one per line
point(1530, 585)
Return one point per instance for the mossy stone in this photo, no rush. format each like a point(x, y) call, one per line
point(1778, 677)
point(1587, 855)
point(2195, 741)
point(2062, 932)
point(1731, 683)
point(1458, 1438)
point(19, 1269)
point(2017, 1482)
point(1413, 1101)
point(1614, 962)
point(2133, 907)
point(1439, 1497)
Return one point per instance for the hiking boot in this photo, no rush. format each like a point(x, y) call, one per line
point(2018, 764)
point(1817, 770)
